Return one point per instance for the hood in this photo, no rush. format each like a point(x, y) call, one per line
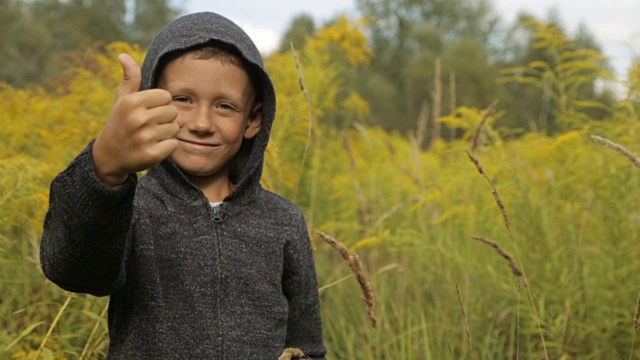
point(199, 28)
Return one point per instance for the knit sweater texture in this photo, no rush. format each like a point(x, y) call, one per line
point(185, 280)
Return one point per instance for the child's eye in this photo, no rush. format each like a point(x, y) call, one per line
point(181, 99)
point(225, 106)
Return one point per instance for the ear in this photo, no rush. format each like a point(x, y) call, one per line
point(254, 123)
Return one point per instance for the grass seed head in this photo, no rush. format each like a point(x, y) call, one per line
point(510, 260)
point(354, 263)
point(290, 353)
point(619, 148)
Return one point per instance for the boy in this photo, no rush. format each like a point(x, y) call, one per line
point(200, 261)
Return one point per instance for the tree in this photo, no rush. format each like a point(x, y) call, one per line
point(24, 47)
point(566, 75)
point(149, 17)
point(300, 29)
point(35, 34)
point(407, 37)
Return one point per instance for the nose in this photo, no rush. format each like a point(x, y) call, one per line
point(201, 120)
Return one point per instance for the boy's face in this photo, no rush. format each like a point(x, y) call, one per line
point(215, 106)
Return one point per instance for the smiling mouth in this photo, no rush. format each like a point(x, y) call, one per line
point(197, 143)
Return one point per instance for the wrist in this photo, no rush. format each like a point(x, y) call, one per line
point(112, 180)
point(104, 168)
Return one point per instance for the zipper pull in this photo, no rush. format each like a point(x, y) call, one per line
point(217, 215)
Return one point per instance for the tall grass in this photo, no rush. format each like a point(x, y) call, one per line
point(572, 206)
point(411, 216)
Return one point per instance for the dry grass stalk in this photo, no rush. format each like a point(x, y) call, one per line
point(310, 114)
point(387, 215)
point(476, 136)
point(636, 317)
point(53, 325)
point(494, 190)
point(518, 323)
point(452, 92)
point(423, 121)
point(347, 147)
point(466, 321)
point(617, 147)
point(34, 242)
point(437, 99)
point(636, 325)
point(85, 351)
point(354, 263)
point(510, 260)
point(302, 85)
point(452, 101)
point(290, 353)
point(525, 280)
point(364, 203)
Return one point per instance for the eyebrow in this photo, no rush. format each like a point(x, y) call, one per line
point(184, 88)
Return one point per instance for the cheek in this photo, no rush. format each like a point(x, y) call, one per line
point(232, 132)
point(182, 119)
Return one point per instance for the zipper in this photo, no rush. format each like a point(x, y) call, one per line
point(217, 213)
point(217, 218)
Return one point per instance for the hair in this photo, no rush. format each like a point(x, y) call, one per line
point(217, 50)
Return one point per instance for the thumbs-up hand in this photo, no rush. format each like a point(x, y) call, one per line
point(140, 131)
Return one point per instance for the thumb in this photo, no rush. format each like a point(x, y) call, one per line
point(131, 76)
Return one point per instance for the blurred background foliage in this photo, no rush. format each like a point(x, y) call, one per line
point(372, 148)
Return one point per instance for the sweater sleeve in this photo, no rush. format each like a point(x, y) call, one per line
point(300, 286)
point(86, 228)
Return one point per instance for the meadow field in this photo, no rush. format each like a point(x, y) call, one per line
point(486, 246)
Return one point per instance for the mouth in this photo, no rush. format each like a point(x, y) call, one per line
point(198, 144)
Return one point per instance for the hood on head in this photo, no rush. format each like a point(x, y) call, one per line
point(200, 28)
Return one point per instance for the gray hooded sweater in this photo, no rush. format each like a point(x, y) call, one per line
point(188, 281)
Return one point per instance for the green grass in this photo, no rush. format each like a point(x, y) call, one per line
point(572, 206)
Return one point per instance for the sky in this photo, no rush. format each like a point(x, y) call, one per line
point(613, 22)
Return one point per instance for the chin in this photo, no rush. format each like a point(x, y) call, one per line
point(202, 172)
point(199, 172)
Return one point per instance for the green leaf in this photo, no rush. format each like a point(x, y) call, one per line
point(93, 316)
point(24, 333)
point(325, 287)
